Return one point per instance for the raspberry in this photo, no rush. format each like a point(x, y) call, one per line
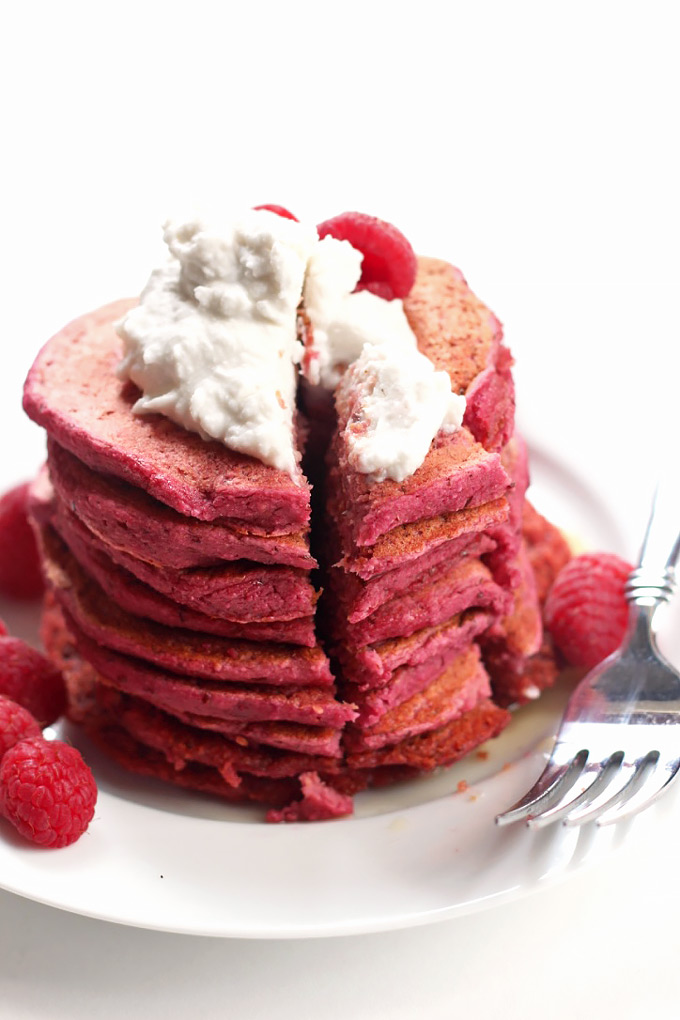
point(31, 680)
point(3, 628)
point(586, 610)
point(279, 210)
point(389, 265)
point(20, 576)
point(47, 791)
point(15, 724)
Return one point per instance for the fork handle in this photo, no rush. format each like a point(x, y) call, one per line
point(653, 581)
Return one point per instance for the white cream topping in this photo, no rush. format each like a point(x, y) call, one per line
point(213, 346)
point(399, 405)
point(343, 321)
point(212, 343)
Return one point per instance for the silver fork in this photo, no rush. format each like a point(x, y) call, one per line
point(618, 746)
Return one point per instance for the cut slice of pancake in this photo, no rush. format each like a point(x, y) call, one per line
point(73, 391)
point(460, 687)
point(360, 599)
point(443, 746)
point(374, 666)
point(403, 683)
point(127, 518)
point(457, 473)
point(408, 543)
point(466, 585)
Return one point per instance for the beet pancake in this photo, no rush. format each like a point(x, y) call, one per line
point(375, 666)
point(518, 654)
point(403, 684)
point(466, 585)
point(66, 567)
point(458, 689)
point(443, 746)
point(456, 473)
point(415, 754)
point(129, 519)
point(312, 706)
point(361, 598)
point(180, 743)
point(241, 592)
point(459, 334)
point(82, 681)
point(548, 551)
point(182, 651)
point(405, 544)
point(507, 534)
point(73, 391)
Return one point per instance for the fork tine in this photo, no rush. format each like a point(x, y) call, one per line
point(653, 789)
point(551, 786)
point(640, 771)
point(602, 776)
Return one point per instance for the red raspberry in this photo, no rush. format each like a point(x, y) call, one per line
point(389, 265)
point(20, 576)
point(586, 611)
point(279, 210)
point(15, 724)
point(47, 791)
point(31, 680)
point(3, 628)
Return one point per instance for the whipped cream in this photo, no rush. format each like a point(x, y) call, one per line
point(342, 321)
point(213, 343)
point(398, 405)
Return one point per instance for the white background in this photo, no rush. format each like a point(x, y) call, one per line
point(533, 144)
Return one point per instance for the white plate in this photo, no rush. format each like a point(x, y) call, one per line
point(162, 858)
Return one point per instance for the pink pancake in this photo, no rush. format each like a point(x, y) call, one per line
point(403, 684)
point(311, 706)
point(240, 592)
point(376, 666)
point(468, 584)
point(361, 598)
point(457, 332)
point(138, 599)
point(84, 684)
point(457, 473)
point(403, 545)
point(181, 651)
point(73, 391)
point(129, 519)
point(443, 746)
point(458, 689)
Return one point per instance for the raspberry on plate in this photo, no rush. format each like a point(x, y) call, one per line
point(30, 679)
point(16, 724)
point(20, 576)
point(586, 610)
point(280, 210)
point(47, 791)
point(389, 265)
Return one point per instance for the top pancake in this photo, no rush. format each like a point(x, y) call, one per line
point(459, 334)
point(74, 393)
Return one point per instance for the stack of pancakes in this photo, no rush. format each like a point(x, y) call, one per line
point(183, 603)
point(433, 611)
